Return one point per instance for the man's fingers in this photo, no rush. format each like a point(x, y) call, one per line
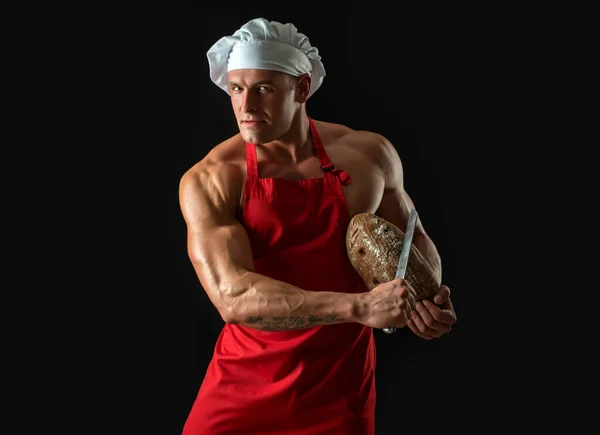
point(427, 323)
point(443, 315)
point(423, 311)
point(442, 295)
point(417, 326)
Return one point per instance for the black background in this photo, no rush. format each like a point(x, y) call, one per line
point(417, 79)
point(121, 105)
point(386, 74)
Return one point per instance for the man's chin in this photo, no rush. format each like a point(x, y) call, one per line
point(253, 138)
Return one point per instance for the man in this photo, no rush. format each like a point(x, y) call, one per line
point(267, 212)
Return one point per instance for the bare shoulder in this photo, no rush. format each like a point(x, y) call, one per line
point(215, 182)
point(330, 131)
point(367, 143)
point(382, 153)
point(371, 142)
point(226, 158)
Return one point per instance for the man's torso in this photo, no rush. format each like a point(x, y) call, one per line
point(355, 152)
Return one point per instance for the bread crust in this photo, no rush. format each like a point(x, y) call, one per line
point(373, 245)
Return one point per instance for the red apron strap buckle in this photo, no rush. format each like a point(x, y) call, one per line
point(327, 167)
point(343, 175)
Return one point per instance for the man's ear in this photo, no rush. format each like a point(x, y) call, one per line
point(303, 88)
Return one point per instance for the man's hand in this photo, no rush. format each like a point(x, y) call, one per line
point(433, 319)
point(388, 304)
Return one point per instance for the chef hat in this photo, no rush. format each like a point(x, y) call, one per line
point(262, 44)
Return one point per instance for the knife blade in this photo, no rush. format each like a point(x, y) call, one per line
point(404, 254)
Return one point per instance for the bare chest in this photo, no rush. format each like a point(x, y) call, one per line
point(365, 190)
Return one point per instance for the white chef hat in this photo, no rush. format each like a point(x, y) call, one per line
point(263, 44)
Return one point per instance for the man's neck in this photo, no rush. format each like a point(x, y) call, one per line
point(296, 142)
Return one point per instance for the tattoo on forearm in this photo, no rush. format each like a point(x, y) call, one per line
point(282, 323)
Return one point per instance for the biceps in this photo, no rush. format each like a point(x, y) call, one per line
point(395, 207)
point(221, 255)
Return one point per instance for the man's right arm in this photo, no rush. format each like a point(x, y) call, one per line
point(219, 249)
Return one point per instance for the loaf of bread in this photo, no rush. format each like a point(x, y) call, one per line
point(373, 245)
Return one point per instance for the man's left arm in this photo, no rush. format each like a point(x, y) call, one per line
point(431, 319)
point(396, 204)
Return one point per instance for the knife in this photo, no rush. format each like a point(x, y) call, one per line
point(404, 254)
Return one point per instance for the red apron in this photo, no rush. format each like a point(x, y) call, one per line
point(312, 381)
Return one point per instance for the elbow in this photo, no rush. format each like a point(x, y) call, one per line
point(231, 315)
point(233, 300)
point(228, 316)
point(225, 293)
point(226, 305)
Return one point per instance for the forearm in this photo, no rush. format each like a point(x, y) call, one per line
point(267, 304)
point(429, 251)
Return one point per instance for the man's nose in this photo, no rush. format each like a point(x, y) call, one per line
point(249, 101)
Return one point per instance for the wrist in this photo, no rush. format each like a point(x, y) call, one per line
point(359, 307)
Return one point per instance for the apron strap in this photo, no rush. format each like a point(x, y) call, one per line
point(251, 162)
point(326, 164)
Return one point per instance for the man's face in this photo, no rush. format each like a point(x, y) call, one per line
point(264, 103)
